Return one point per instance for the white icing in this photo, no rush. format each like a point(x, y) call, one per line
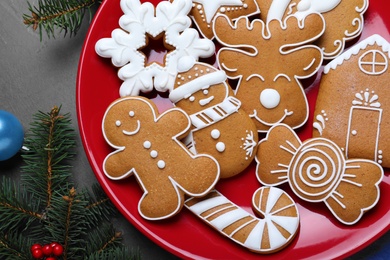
point(161, 164)
point(269, 98)
point(277, 9)
point(211, 7)
point(147, 144)
point(139, 20)
point(215, 133)
point(230, 213)
point(197, 84)
point(118, 123)
point(134, 131)
point(220, 146)
point(154, 154)
point(375, 65)
point(306, 7)
point(131, 113)
point(354, 50)
point(215, 113)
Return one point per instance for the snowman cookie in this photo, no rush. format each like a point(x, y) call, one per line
point(146, 146)
point(219, 126)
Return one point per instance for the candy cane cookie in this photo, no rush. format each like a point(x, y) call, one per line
point(274, 229)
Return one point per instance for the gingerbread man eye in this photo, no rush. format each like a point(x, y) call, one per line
point(131, 113)
point(118, 123)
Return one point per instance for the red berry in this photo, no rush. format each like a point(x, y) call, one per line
point(47, 250)
point(35, 246)
point(51, 258)
point(37, 253)
point(58, 250)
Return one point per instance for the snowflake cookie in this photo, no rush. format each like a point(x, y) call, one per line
point(141, 22)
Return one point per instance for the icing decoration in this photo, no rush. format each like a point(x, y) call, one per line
point(269, 98)
point(275, 207)
point(199, 83)
point(141, 21)
point(266, 91)
point(216, 113)
point(375, 39)
point(167, 172)
point(317, 171)
point(366, 102)
point(211, 7)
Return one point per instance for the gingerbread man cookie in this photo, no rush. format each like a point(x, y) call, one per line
point(269, 60)
point(317, 171)
point(219, 126)
point(344, 20)
point(146, 146)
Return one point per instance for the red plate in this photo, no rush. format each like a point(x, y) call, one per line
point(320, 235)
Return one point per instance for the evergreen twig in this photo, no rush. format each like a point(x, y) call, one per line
point(46, 207)
point(64, 15)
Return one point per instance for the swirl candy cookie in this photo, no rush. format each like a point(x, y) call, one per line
point(274, 229)
point(146, 146)
point(204, 11)
point(317, 171)
point(269, 60)
point(344, 20)
point(353, 105)
point(219, 126)
point(141, 22)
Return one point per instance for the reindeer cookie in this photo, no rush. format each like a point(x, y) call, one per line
point(146, 145)
point(344, 20)
point(317, 171)
point(219, 126)
point(268, 60)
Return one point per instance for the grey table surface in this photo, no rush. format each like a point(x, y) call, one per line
point(36, 75)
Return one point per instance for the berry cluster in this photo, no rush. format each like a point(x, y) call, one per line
point(49, 251)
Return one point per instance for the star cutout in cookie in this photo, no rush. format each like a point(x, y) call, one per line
point(211, 6)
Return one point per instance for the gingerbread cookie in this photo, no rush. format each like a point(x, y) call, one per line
point(269, 60)
point(317, 171)
point(204, 11)
point(141, 22)
point(275, 228)
point(146, 146)
point(344, 20)
point(353, 106)
point(219, 126)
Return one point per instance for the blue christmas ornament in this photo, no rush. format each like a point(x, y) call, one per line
point(11, 135)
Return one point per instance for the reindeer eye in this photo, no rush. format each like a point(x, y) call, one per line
point(131, 113)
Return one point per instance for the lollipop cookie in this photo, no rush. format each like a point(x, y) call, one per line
point(317, 171)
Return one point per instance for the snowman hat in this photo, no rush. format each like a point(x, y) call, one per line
point(198, 81)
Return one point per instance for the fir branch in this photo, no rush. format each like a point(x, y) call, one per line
point(10, 246)
point(15, 212)
point(49, 149)
point(65, 15)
